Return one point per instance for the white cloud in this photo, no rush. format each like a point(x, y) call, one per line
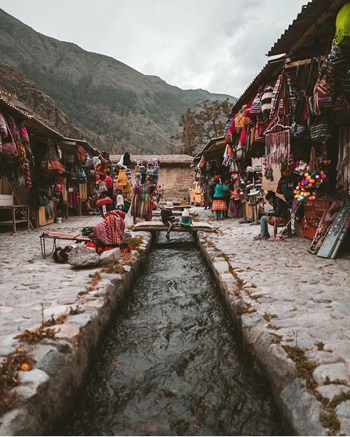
point(218, 45)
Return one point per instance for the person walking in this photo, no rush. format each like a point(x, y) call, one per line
point(206, 195)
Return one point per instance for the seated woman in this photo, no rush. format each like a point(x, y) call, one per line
point(275, 217)
point(111, 231)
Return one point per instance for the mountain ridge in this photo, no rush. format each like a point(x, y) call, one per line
point(117, 107)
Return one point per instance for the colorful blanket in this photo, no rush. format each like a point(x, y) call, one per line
point(111, 230)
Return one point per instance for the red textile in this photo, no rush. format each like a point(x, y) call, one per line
point(111, 230)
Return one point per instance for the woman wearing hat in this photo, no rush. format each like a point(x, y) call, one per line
point(168, 218)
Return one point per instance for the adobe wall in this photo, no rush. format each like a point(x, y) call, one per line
point(176, 180)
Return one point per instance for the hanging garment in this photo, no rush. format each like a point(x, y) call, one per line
point(142, 202)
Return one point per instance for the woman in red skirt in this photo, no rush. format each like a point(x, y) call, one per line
point(219, 205)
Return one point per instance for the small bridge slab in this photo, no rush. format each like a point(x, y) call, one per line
point(155, 225)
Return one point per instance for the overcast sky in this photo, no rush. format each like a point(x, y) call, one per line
point(216, 45)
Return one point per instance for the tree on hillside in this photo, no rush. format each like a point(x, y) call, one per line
point(202, 123)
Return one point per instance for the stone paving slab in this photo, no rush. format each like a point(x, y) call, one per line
point(285, 300)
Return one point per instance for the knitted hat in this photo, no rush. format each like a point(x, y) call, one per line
point(185, 213)
point(169, 205)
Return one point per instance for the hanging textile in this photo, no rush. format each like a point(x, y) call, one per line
point(277, 147)
point(283, 99)
point(277, 133)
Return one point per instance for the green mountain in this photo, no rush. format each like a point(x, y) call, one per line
point(116, 107)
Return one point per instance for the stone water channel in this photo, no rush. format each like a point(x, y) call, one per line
point(172, 363)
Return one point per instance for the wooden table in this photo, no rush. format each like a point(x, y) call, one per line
point(58, 236)
point(16, 210)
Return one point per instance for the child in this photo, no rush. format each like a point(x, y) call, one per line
point(168, 218)
point(185, 219)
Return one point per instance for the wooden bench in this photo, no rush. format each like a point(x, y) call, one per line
point(58, 236)
point(155, 225)
point(17, 213)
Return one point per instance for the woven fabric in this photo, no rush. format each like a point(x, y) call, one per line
point(219, 205)
point(141, 206)
point(111, 230)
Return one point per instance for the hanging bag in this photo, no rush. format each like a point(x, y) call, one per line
point(9, 148)
point(202, 163)
point(81, 176)
point(266, 101)
point(340, 111)
point(256, 103)
point(53, 163)
point(320, 130)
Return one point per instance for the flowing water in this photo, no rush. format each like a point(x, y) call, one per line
point(172, 363)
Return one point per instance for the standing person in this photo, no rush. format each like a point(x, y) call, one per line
point(276, 216)
point(141, 206)
point(219, 199)
point(235, 198)
point(212, 183)
point(206, 195)
point(227, 198)
point(168, 218)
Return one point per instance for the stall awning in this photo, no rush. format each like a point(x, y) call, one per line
point(213, 148)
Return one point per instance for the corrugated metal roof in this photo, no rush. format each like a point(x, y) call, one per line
point(211, 149)
point(309, 35)
point(84, 143)
point(311, 32)
point(163, 159)
point(33, 125)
